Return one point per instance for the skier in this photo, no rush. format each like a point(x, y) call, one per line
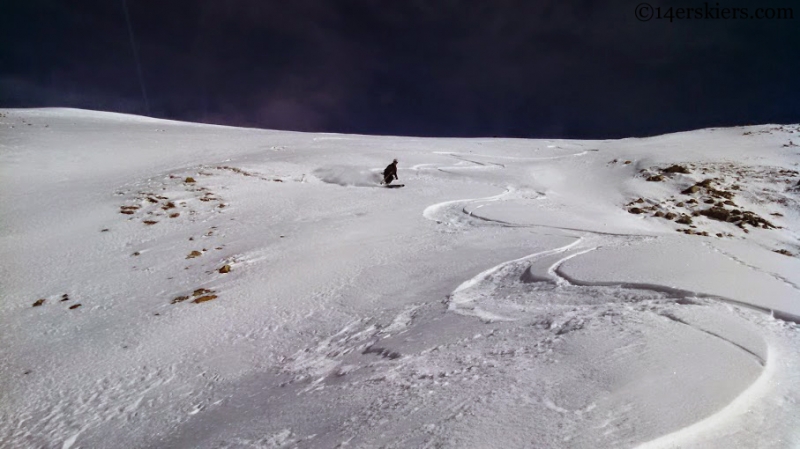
point(390, 173)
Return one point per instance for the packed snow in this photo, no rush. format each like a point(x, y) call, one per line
point(175, 285)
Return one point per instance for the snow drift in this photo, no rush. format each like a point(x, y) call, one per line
point(349, 176)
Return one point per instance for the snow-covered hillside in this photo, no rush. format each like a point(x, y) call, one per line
point(173, 285)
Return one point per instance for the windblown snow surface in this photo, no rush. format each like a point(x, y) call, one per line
point(508, 296)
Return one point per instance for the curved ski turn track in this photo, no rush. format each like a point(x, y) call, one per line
point(528, 289)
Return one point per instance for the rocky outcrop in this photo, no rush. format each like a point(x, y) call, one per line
point(675, 168)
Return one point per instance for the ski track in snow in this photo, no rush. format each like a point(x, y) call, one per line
point(761, 360)
point(750, 410)
point(445, 213)
point(448, 214)
point(464, 156)
point(483, 286)
point(753, 267)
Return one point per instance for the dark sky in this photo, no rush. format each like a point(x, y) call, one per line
point(559, 68)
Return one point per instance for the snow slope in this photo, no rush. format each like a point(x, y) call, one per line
point(516, 293)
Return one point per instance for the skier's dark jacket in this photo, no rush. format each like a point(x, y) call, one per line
point(390, 171)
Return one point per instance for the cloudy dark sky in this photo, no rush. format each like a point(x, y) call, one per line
point(553, 68)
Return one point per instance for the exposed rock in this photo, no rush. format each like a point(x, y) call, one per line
point(706, 185)
point(149, 222)
point(776, 214)
point(709, 201)
point(179, 299)
point(194, 254)
point(679, 204)
point(685, 219)
point(189, 180)
point(720, 193)
point(137, 253)
point(175, 215)
point(225, 269)
point(669, 216)
point(38, 302)
point(785, 252)
point(736, 216)
point(755, 221)
point(655, 178)
point(627, 162)
point(639, 201)
point(204, 299)
point(717, 213)
point(729, 203)
point(74, 306)
point(676, 169)
point(659, 214)
point(169, 205)
point(234, 169)
point(65, 297)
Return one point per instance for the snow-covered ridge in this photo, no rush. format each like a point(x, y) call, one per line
point(182, 285)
